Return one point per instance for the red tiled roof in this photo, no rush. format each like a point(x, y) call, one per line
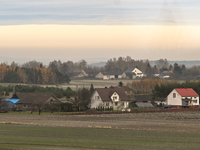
point(106, 93)
point(186, 92)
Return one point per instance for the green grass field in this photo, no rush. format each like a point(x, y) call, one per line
point(81, 83)
point(38, 137)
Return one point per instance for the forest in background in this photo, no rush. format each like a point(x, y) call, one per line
point(58, 72)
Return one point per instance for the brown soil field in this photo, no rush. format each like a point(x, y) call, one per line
point(162, 121)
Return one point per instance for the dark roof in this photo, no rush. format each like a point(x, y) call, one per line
point(77, 73)
point(29, 98)
point(118, 72)
point(141, 98)
point(106, 93)
point(130, 73)
point(144, 105)
point(159, 99)
point(129, 70)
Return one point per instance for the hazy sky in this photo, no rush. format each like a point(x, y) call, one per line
point(95, 30)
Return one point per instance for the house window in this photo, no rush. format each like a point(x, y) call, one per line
point(115, 98)
point(194, 101)
point(174, 95)
point(24, 105)
point(107, 104)
point(116, 103)
point(97, 97)
point(123, 104)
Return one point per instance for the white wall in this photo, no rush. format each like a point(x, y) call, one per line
point(178, 100)
point(99, 75)
point(105, 77)
point(98, 102)
point(94, 101)
point(123, 75)
point(174, 101)
point(136, 71)
point(115, 95)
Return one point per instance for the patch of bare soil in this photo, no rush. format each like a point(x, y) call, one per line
point(165, 121)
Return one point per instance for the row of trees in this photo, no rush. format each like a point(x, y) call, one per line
point(59, 92)
point(159, 88)
point(123, 63)
point(36, 75)
point(146, 86)
point(162, 90)
point(58, 72)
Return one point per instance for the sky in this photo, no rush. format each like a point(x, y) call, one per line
point(47, 30)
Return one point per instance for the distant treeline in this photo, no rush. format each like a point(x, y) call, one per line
point(58, 72)
point(34, 75)
point(59, 92)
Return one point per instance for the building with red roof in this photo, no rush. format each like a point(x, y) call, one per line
point(183, 97)
point(114, 97)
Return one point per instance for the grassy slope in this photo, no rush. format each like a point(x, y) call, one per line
point(36, 137)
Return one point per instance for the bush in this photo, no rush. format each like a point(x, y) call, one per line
point(7, 93)
point(91, 111)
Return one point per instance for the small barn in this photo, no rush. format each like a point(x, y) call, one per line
point(10, 102)
point(141, 100)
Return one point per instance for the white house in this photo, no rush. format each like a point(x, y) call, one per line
point(138, 73)
point(99, 75)
point(109, 75)
point(132, 73)
point(183, 97)
point(114, 97)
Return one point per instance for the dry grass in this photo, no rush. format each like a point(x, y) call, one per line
point(168, 130)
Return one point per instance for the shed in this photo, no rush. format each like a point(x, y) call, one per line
point(10, 102)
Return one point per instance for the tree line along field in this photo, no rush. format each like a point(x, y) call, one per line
point(141, 131)
point(79, 83)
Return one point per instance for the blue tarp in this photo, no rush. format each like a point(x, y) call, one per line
point(10, 102)
point(13, 100)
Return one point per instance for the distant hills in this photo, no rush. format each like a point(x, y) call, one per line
point(46, 61)
point(188, 63)
point(98, 64)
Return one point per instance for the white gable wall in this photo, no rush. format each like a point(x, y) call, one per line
point(99, 75)
point(115, 97)
point(177, 101)
point(136, 71)
point(96, 100)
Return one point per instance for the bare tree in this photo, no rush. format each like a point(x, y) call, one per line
point(83, 98)
point(39, 105)
point(162, 63)
point(32, 64)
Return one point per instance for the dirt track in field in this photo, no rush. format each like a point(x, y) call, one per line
point(165, 121)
